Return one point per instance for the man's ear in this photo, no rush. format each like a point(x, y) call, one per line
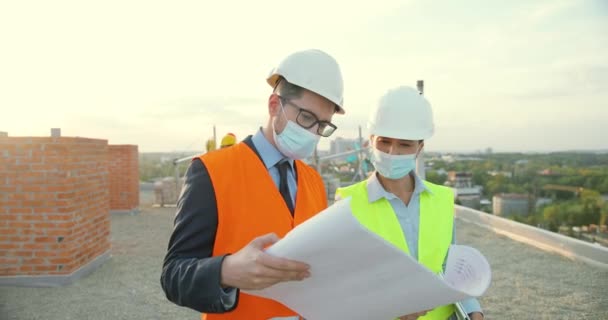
point(274, 105)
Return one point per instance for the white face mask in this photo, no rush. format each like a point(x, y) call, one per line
point(393, 166)
point(295, 142)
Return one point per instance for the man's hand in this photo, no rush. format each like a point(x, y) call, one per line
point(251, 268)
point(413, 316)
point(476, 316)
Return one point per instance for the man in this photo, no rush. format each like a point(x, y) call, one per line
point(228, 140)
point(239, 200)
point(414, 215)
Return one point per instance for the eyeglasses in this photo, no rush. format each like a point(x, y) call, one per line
point(307, 119)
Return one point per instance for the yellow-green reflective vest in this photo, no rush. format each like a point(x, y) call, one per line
point(435, 229)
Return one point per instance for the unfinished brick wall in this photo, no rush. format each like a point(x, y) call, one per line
point(123, 163)
point(54, 204)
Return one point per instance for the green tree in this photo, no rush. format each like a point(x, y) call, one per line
point(436, 178)
point(552, 217)
point(604, 215)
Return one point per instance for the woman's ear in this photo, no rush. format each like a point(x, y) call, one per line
point(420, 147)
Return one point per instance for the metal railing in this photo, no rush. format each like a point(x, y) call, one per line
point(315, 161)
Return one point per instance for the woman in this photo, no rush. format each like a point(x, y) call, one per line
point(413, 214)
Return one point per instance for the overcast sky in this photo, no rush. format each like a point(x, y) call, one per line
point(511, 75)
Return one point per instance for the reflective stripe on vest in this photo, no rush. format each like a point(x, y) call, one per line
point(250, 205)
point(435, 229)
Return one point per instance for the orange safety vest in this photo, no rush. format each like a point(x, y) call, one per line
point(249, 205)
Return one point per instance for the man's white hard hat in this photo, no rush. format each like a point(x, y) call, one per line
point(313, 70)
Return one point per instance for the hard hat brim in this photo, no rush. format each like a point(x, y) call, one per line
point(274, 77)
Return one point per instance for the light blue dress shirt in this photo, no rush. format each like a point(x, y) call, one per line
point(271, 156)
point(409, 219)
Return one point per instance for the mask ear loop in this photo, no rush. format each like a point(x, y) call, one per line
point(283, 109)
point(284, 116)
point(276, 86)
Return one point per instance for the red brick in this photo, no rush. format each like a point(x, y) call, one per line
point(7, 271)
point(46, 254)
point(44, 225)
point(58, 203)
point(19, 239)
point(44, 210)
point(20, 210)
point(57, 217)
point(10, 203)
point(19, 224)
point(38, 231)
point(64, 224)
point(60, 260)
point(34, 246)
point(34, 261)
point(23, 253)
point(32, 217)
point(68, 253)
point(7, 189)
point(58, 232)
point(46, 239)
point(43, 167)
point(5, 261)
point(32, 203)
point(6, 217)
point(20, 196)
point(19, 167)
point(59, 188)
point(23, 269)
point(32, 188)
point(45, 268)
point(9, 246)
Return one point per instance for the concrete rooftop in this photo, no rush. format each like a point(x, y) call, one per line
point(527, 283)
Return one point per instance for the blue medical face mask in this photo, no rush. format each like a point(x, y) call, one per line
point(295, 142)
point(393, 166)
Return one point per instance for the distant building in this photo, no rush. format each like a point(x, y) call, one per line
point(449, 158)
point(543, 201)
point(339, 145)
point(465, 192)
point(509, 204)
point(441, 171)
point(547, 172)
point(323, 153)
point(460, 179)
point(495, 173)
point(331, 184)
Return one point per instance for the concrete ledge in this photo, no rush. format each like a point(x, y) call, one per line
point(166, 205)
point(545, 240)
point(132, 212)
point(55, 280)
